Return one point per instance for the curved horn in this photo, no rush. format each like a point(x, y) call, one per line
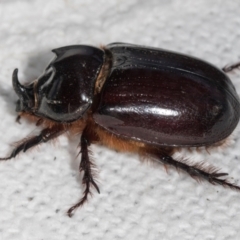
point(20, 90)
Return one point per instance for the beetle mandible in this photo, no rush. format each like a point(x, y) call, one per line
point(131, 98)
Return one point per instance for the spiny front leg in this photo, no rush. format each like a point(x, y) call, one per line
point(46, 135)
point(198, 171)
point(87, 167)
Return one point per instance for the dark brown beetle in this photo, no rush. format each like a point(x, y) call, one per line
point(131, 98)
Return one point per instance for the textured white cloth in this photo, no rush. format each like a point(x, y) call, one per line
point(137, 200)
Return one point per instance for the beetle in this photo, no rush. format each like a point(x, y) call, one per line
point(131, 98)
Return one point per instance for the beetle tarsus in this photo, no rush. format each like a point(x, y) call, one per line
point(46, 135)
point(199, 171)
point(87, 167)
point(231, 67)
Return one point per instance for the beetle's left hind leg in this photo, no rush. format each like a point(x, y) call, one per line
point(198, 171)
point(87, 167)
point(231, 67)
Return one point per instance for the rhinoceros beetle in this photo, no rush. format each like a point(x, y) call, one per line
point(131, 98)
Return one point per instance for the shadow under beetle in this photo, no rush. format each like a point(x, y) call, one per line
point(131, 98)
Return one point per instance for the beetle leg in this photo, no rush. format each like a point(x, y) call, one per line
point(87, 167)
point(46, 135)
point(231, 67)
point(198, 171)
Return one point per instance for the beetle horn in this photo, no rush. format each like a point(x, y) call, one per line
point(20, 90)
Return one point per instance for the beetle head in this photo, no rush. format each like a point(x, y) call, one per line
point(65, 91)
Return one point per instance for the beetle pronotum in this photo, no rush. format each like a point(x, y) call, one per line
point(131, 98)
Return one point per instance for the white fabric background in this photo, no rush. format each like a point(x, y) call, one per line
point(137, 200)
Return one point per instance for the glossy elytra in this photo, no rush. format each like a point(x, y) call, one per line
point(131, 98)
